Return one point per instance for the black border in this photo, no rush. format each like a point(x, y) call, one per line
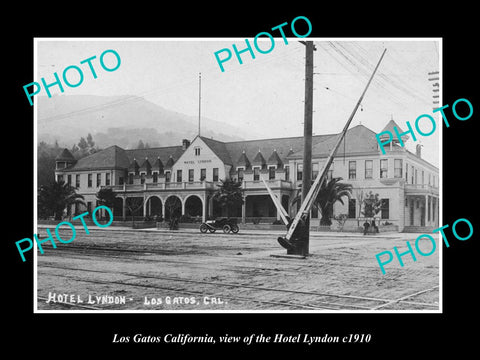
point(92, 333)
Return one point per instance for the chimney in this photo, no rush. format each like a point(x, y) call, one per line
point(185, 144)
point(419, 150)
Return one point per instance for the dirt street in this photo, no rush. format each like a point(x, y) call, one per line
point(159, 270)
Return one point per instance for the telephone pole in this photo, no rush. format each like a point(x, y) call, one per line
point(302, 246)
point(199, 99)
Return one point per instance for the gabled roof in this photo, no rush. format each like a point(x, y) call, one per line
point(274, 159)
point(357, 140)
point(133, 166)
point(243, 160)
point(163, 153)
point(65, 155)
point(113, 157)
point(259, 159)
point(157, 165)
point(169, 163)
point(146, 166)
point(219, 148)
point(389, 127)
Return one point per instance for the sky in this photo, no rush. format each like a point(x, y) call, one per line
point(266, 94)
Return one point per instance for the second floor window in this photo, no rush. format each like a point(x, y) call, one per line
point(155, 177)
point(352, 169)
point(256, 174)
point(130, 178)
point(271, 173)
point(287, 173)
point(383, 168)
point(240, 174)
point(107, 179)
point(99, 179)
point(179, 175)
point(77, 180)
point(215, 174)
point(314, 170)
point(167, 176)
point(368, 169)
point(190, 175)
point(203, 174)
point(89, 184)
point(142, 178)
point(69, 180)
point(397, 171)
point(299, 172)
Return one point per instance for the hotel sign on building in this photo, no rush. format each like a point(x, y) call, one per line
point(189, 174)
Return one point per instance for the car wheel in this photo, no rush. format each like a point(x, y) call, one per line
point(235, 229)
point(203, 228)
point(226, 229)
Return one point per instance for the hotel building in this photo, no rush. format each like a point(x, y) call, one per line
point(183, 178)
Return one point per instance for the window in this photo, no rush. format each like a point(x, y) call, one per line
point(99, 179)
point(107, 179)
point(352, 169)
point(142, 178)
point(167, 176)
point(397, 171)
point(423, 177)
point(130, 178)
point(406, 173)
point(256, 174)
point(203, 174)
point(330, 172)
point(368, 169)
point(383, 168)
point(215, 174)
point(287, 173)
point(77, 180)
point(413, 173)
point(299, 172)
point(385, 208)
point(416, 176)
point(351, 208)
point(69, 179)
point(179, 175)
point(190, 175)
point(197, 151)
point(89, 183)
point(155, 177)
point(120, 180)
point(59, 177)
point(314, 170)
point(271, 173)
point(240, 174)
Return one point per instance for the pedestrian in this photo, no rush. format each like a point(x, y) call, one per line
point(366, 225)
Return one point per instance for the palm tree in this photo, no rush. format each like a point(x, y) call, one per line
point(55, 197)
point(229, 194)
point(331, 191)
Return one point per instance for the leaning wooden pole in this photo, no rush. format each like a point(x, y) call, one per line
point(313, 192)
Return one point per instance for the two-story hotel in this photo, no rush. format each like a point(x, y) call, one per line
point(183, 178)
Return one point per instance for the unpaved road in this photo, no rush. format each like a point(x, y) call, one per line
point(122, 269)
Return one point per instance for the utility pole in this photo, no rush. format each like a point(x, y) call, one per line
point(199, 99)
point(302, 246)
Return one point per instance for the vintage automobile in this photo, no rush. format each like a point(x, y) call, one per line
point(226, 224)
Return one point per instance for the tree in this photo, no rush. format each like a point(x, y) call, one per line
point(106, 197)
point(371, 205)
point(134, 204)
point(229, 194)
point(140, 145)
point(55, 197)
point(90, 142)
point(46, 154)
point(331, 191)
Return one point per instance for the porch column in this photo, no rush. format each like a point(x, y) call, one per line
point(183, 206)
point(145, 207)
point(204, 205)
point(163, 208)
point(244, 209)
point(124, 208)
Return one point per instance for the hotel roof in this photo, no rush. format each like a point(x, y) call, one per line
point(358, 140)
